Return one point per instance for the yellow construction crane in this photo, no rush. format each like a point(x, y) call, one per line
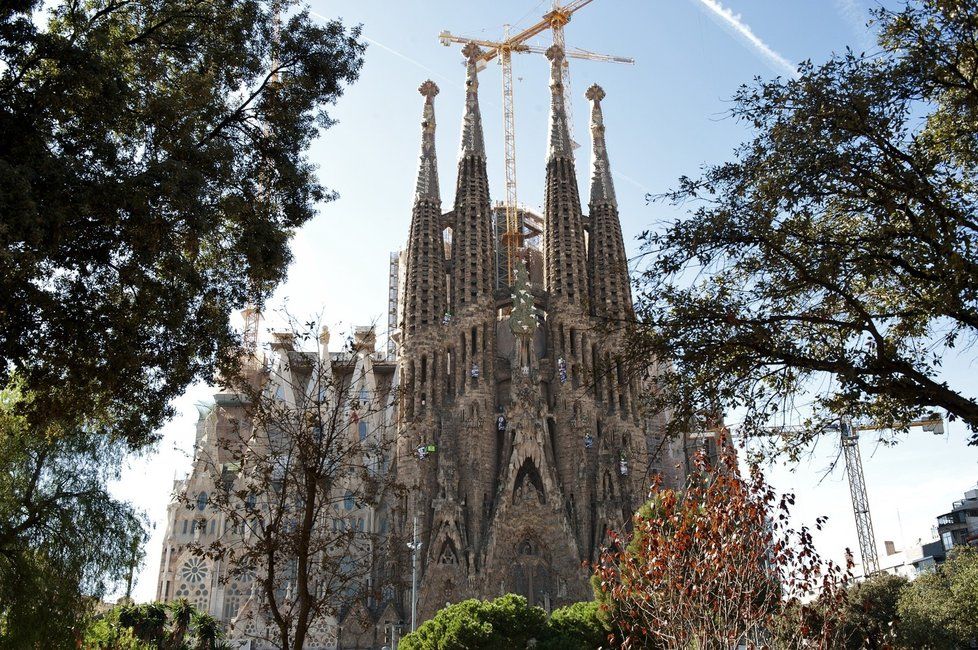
point(553, 20)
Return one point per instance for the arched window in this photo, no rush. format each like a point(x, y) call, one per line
point(250, 502)
point(362, 429)
point(348, 501)
point(202, 501)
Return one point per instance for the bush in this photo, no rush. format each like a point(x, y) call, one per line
point(508, 622)
point(575, 627)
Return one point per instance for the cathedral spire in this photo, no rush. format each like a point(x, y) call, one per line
point(473, 254)
point(564, 251)
point(427, 187)
point(559, 144)
point(472, 139)
point(602, 187)
point(611, 297)
point(425, 300)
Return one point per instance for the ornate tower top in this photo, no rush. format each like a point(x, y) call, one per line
point(473, 255)
point(472, 140)
point(602, 187)
point(424, 283)
point(611, 297)
point(559, 144)
point(427, 187)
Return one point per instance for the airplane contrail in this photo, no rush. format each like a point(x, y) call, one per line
point(395, 53)
point(742, 29)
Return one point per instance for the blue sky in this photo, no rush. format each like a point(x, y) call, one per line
point(665, 117)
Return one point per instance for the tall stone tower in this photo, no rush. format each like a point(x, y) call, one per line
point(521, 439)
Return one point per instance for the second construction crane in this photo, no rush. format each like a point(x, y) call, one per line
point(554, 20)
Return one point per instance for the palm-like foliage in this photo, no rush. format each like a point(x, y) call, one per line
point(207, 632)
point(159, 626)
point(148, 622)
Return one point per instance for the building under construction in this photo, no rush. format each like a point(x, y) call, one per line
point(520, 437)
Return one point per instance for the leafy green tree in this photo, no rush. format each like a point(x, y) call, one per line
point(509, 622)
point(153, 166)
point(871, 616)
point(836, 258)
point(152, 169)
point(506, 622)
point(63, 538)
point(940, 609)
point(575, 627)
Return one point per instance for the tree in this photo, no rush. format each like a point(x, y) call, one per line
point(152, 169)
point(178, 625)
point(63, 538)
point(716, 565)
point(835, 258)
point(871, 620)
point(940, 609)
point(300, 459)
point(506, 622)
point(575, 627)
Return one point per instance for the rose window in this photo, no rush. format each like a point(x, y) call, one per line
point(195, 570)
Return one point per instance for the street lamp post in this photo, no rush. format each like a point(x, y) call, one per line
point(414, 545)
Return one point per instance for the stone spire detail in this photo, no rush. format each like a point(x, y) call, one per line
point(559, 144)
point(611, 297)
point(602, 187)
point(472, 140)
point(427, 187)
point(564, 252)
point(425, 295)
point(473, 247)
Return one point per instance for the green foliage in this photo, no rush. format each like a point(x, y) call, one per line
point(507, 622)
point(153, 626)
point(940, 609)
point(837, 254)
point(63, 538)
point(871, 617)
point(575, 627)
point(152, 169)
point(937, 610)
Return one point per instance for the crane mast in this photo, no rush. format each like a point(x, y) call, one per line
point(513, 236)
point(857, 483)
point(555, 20)
point(860, 499)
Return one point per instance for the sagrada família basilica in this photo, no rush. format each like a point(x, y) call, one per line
point(519, 438)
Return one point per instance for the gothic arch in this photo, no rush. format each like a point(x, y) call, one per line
point(448, 553)
point(528, 481)
point(531, 574)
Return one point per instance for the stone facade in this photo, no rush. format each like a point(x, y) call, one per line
point(194, 521)
point(540, 443)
